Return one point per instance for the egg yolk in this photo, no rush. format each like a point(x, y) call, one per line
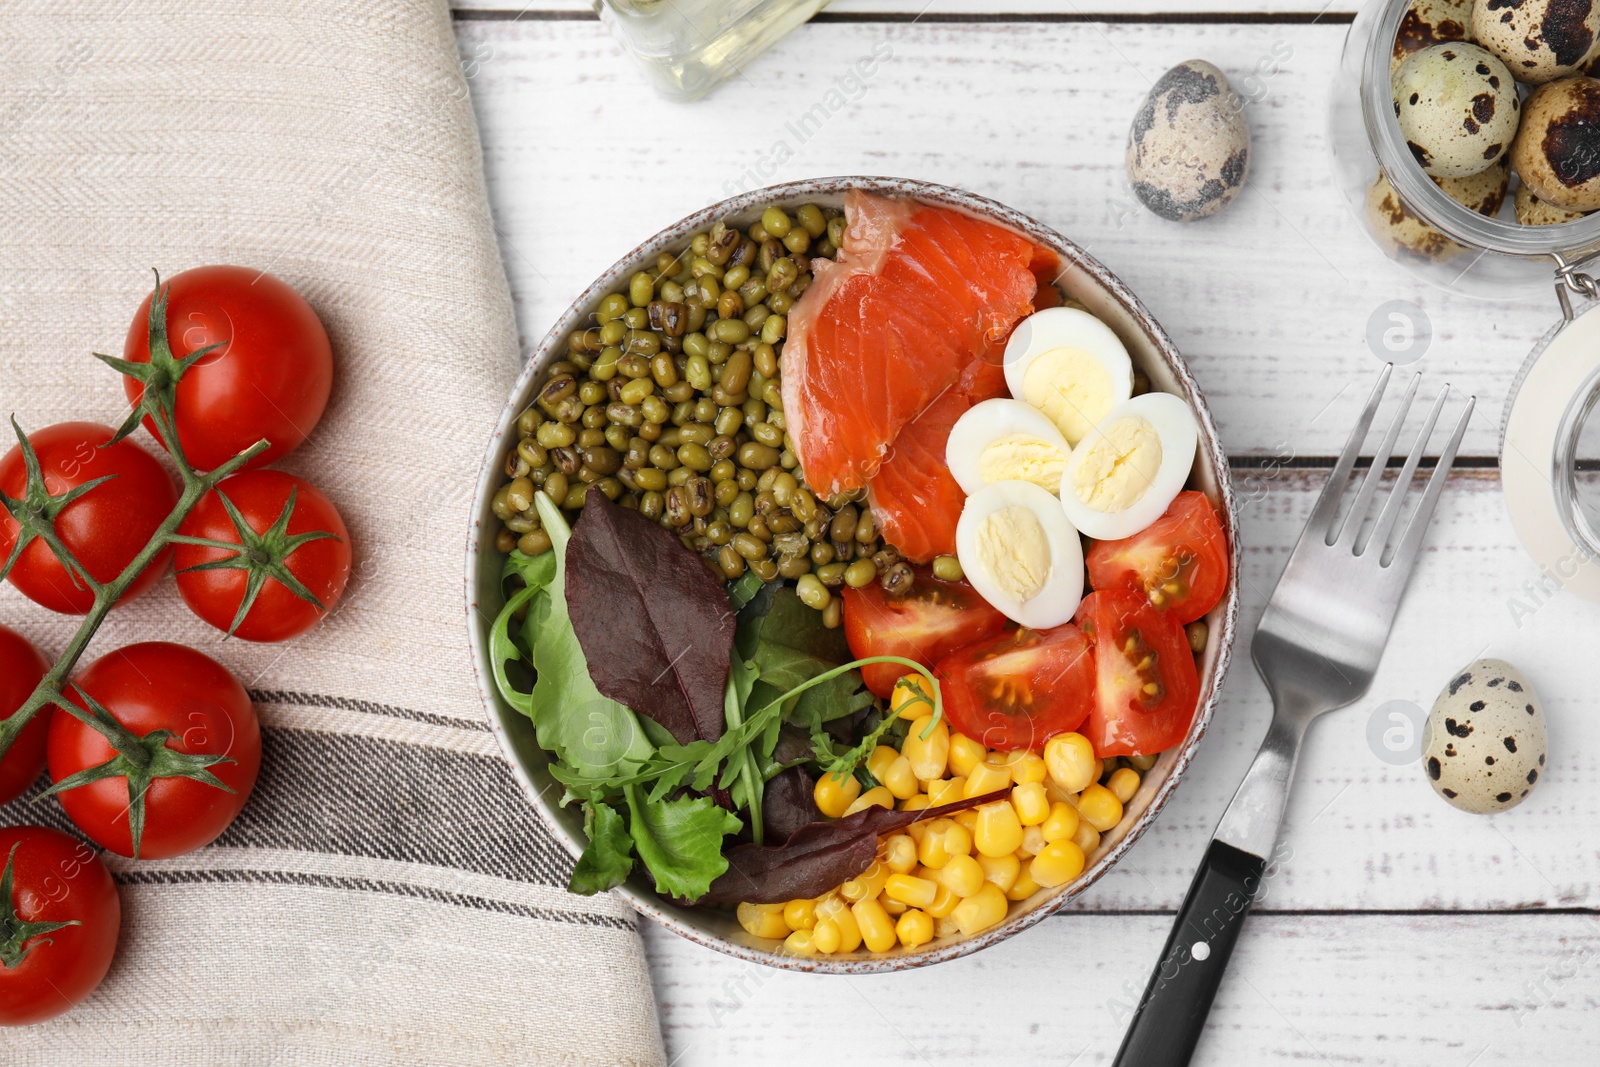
point(1013, 548)
point(1118, 465)
point(1071, 387)
point(1025, 458)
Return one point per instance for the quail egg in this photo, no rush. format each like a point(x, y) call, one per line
point(1004, 440)
point(1457, 108)
point(1403, 235)
point(1189, 148)
point(1021, 554)
point(1557, 151)
point(1069, 365)
point(1430, 22)
point(1483, 745)
point(1531, 211)
point(1123, 475)
point(1540, 40)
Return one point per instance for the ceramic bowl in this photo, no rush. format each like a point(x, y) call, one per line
point(1153, 353)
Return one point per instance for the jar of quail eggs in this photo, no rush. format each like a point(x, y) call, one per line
point(1466, 138)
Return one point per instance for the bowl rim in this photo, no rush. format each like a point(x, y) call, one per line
point(1213, 456)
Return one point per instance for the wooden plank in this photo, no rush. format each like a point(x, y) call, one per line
point(1270, 300)
point(1450, 991)
point(1330, 11)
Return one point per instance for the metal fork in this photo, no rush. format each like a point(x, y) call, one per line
point(1317, 647)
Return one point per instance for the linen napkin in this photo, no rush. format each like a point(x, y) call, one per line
point(388, 895)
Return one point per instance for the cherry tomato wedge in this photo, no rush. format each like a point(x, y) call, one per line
point(55, 879)
point(21, 667)
point(270, 378)
point(936, 617)
point(1179, 562)
point(1146, 686)
point(1021, 688)
point(104, 528)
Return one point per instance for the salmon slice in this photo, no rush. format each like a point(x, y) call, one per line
point(914, 499)
point(915, 296)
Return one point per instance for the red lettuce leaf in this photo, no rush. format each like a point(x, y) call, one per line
point(654, 623)
point(818, 856)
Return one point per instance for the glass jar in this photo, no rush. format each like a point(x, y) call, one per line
point(1475, 254)
point(688, 47)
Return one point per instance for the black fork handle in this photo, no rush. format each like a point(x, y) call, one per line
point(1172, 1012)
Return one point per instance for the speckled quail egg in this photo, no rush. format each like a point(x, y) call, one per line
point(1540, 40)
point(1531, 211)
point(1404, 236)
point(1430, 22)
point(1189, 148)
point(1457, 108)
point(1557, 150)
point(1483, 745)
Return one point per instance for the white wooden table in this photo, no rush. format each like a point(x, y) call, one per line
point(1399, 931)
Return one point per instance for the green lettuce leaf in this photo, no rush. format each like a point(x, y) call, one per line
point(680, 841)
point(608, 859)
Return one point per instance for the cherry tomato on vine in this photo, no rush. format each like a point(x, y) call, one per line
point(104, 528)
point(59, 918)
point(281, 560)
point(1146, 686)
point(182, 755)
point(270, 378)
point(21, 667)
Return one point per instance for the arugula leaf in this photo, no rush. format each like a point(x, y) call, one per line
point(608, 859)
point(592, 734)
point(536, 572)
point(790, 645)
point(743, 589)
point(751, 784)
point(680, 841)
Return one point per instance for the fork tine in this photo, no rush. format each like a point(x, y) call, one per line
point(1397, 495)
point(1405, 553)
point(1327, 506)
point(1350, 529)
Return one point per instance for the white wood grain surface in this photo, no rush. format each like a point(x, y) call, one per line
point(1399, 931)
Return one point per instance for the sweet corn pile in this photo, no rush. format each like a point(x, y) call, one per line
point(958, 874)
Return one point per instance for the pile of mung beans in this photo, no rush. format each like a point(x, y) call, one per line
point(670, 402)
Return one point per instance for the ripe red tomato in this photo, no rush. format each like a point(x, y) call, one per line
point(47, 969)
point(21, 667)
point(269, 379)
point(321, 566)
point(105, 528)
point(1021, 688)
point(159, 686)
point(1180, 561)
point(934, 618)
point(1146, 687)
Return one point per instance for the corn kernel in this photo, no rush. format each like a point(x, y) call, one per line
point(867, 884)
point(1032, 840)
point(1059, 863)
point(880, 759)
point(930, 850)
point(834, 794)
point(958, 838)
point(998, 831)
point(763, 920)
point(1027, 767)
point(914, 928)
point(1024, 887)
point(1086, 837)
point(947, 791)
point(944, 902)
point(1058, 795)
point(892, 906)
point(825, 936)
point(800, 914)
point(1001, 870)
point(927, 755)
point(836, 910)
point(909, 699)
point(899, 779)
point(986, 778)
point(1061, 823)
point(1123, 783)
point(801, 942)
point(877, 796)
point(962, 875)
point(877, 932)
point(1069, 759)
point(1099, 807)
point(967, 818)
point(916, 803)
point(900, 853)
point(965, 754)
point(909, 889)
point(1033, 807)
point(945, 927)
point(980, 911)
